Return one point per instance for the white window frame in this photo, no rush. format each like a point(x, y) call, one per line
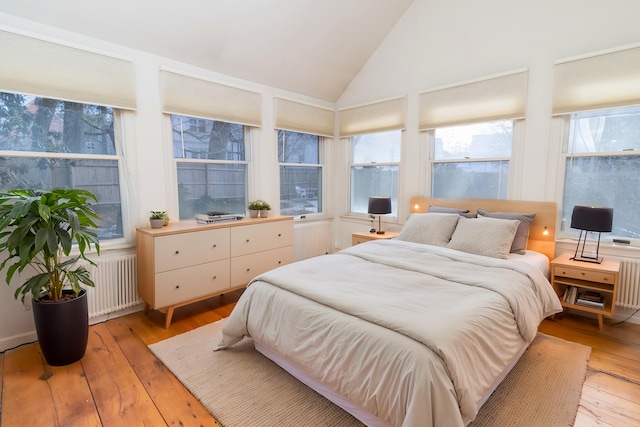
point(173, 176)
point(322, 143)
point(393, 217)
point(561, 133)
point(122, 119)
point(517, 141)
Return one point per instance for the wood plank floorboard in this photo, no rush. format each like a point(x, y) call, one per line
point(120, 382)
point(177, 406)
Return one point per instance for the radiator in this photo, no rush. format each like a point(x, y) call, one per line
point(629, 284)
point(311, 239)
point(115, 279)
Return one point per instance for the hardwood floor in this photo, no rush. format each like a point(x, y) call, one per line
point(120, 383)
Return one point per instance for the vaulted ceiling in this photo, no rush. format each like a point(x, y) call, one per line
point(310, 47)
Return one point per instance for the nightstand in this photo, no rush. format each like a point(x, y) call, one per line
point(366, 237)
point(585, 286)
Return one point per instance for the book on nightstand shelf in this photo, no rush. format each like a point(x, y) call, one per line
point(591, 299)
point(570, 294)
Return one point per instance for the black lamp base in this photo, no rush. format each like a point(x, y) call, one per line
point(379, 232)
point(587, 259)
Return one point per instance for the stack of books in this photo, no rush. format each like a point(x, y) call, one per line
point(215, 217)
point(591, 299)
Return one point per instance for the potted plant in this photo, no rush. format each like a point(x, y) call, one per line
point(259, 207)
point(157, 219)
point(37, 230)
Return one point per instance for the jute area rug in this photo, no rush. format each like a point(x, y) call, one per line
point(242, 388)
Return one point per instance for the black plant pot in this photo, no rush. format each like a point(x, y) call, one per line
point(62, 328)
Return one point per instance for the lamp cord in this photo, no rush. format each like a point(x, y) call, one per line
point(630, 316)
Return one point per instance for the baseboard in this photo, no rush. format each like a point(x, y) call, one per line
point(116, 314)
point(9, 343)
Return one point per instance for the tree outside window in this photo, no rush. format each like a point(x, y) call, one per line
point(299, 158)
point(49, 143)
point(211, 166)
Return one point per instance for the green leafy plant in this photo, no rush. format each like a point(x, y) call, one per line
point(158, 214)
point(259, 205)
point(38, 229)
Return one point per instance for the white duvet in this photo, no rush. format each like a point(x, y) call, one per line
point(415, 334)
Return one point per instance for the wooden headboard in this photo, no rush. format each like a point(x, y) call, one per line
point(545, 219)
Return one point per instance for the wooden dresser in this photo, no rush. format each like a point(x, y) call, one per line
point(185, 262)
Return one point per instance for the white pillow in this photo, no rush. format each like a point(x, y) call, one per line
point(429, 228)
point(490, 237)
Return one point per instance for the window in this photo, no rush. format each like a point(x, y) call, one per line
point(211, 165)
point(374, 168)
point(472, 160)
point(602, 167)
point(300, 157)
point(48, 143)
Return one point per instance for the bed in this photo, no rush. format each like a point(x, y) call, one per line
point(417, 330)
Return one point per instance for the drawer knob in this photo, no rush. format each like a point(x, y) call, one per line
point(279, 262)
point(215, 246)
point(214, 277)
point(177, 286)
point(247, 240)
point(279, 234)
point(582, 273)
point(177, 252)
point(248, 269)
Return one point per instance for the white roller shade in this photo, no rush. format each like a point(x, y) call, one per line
point(38, 67)
point(597, 82)
point(375, 117)
point(493, 98)
point(191, 96)
point(295, 116)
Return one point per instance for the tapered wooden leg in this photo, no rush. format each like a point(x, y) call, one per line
point(600, 322)
point(167, 320)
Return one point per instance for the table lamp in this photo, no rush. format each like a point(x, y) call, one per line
point(379, 206)
point(590, 218)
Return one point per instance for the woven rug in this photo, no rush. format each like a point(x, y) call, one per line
point(242, 388)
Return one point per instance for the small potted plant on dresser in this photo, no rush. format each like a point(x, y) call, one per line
point(157, 219)
point(37, 230)
point(259, 208)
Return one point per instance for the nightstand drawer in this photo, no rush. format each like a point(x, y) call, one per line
point(592, 276)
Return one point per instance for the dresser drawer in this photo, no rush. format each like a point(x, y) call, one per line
point(261, 237)
point(244, 268)
point(592, 276)
point(187, 249)
point(176, 286)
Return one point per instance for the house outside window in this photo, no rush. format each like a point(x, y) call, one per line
point(211, 165)
point(374, 168)
point(48, 143)
point(602, 168)
point(300, 158)
point(472, 160)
